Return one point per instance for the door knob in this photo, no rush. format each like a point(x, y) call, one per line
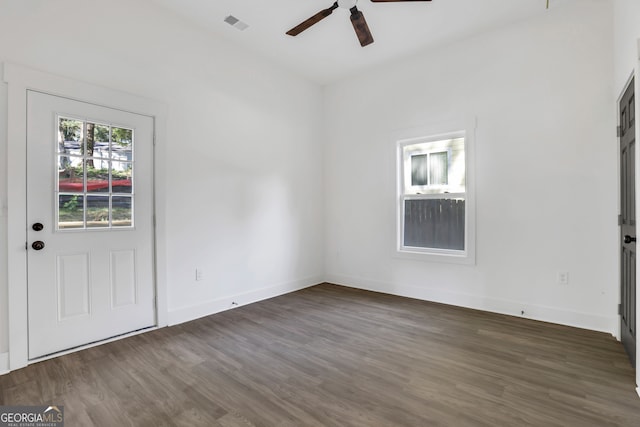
point(629, 239)
point(38, 245)
point(37, 226)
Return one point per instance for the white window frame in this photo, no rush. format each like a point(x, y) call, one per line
point(466, 256)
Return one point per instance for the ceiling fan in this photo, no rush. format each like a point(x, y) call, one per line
point(357, 19)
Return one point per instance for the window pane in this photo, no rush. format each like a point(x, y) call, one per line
point(97, 211)
point(70, 211)
point(121, 144)
point(438, 168)
point(97, 140)
point(419, 170)
point(70, 174)
point(97, 176)
point(70, 134)
point(100, 140)
point(121, 177)
point(434, 223)
point(122, 211)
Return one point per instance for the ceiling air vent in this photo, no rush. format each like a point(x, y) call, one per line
point(235, 22)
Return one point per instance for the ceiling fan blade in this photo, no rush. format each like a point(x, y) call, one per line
point(388, 1)
point(361, 27)
point(312, 21)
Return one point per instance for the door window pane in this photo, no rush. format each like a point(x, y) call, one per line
point(70, 211)
point(70, 136)
point(97, 211)
point(122, 207)
point(100, 141)
point(94, 146)
point(121, 174)
point(122, 144)
point(70, 174)
point(97, 176)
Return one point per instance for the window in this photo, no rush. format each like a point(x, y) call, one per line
point(433, 201)
point(95, 175)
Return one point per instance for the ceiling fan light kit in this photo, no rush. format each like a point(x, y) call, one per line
point(357, 19)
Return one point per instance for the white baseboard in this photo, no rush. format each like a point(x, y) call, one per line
point(207, 308)
point(494, 305)
point(4, 363)
point(638, 391)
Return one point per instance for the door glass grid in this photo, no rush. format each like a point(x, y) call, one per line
point(95, 179)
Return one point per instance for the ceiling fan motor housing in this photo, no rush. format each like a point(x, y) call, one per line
point(347, 4)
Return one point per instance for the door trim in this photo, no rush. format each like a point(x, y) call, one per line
point(619, 332)
point(19, 80)
point(636, 73)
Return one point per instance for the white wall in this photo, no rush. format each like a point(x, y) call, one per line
point(244, 190)
point(546, 174)
point(626, 39)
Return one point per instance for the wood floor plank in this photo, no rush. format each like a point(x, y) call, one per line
point(335, 356)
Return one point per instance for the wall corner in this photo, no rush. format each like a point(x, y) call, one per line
point(4, 363)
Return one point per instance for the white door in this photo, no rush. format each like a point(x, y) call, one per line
point(90, 223)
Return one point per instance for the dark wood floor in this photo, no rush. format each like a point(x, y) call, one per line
point(334, 356)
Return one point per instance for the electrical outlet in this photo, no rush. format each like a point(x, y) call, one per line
point(563, 278)
point(199, 274)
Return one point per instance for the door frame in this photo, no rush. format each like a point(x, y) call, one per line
point(19, 80)
point(636, 73)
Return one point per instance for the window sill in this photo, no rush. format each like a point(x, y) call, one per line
point(450, 257)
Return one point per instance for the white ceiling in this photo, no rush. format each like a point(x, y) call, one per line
point(330, 50)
